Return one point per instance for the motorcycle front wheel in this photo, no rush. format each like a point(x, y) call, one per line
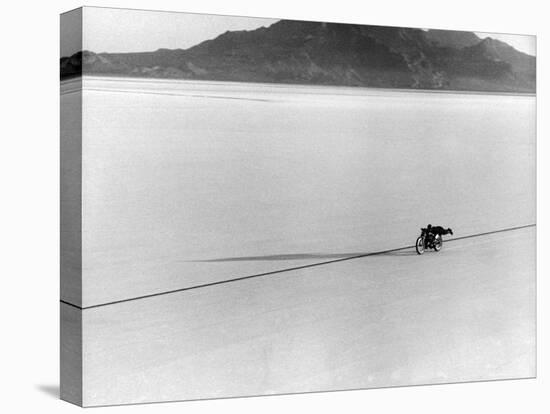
point(420, 245)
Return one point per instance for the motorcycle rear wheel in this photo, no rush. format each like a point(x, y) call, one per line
point(420, 245)
point(438, 243)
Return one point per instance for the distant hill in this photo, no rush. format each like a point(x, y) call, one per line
point(330, 54)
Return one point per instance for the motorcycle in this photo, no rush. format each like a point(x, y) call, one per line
point(428, 241)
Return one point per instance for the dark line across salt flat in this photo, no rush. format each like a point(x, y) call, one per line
point(237, 279)
point(143, 92)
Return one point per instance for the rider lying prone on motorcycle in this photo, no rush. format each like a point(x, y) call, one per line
point(431, 238)
point(438, 230)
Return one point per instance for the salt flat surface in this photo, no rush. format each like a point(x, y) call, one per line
point(464, 314)
point(187, 183)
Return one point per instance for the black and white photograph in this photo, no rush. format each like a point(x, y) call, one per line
point(282, 206)
point(337, 206)
point(261, 206)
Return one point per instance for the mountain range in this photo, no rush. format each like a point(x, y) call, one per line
point(299, 52)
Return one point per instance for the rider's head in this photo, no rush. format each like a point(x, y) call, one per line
point(429, 226)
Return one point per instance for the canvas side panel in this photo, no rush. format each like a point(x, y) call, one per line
point(71, 157)
point(71, 354)
point(70, 44)
point(71, 192)
point(70, 207)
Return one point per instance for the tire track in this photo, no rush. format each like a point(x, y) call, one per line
point(275, 272)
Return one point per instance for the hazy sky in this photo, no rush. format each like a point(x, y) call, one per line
point(121, 30)
point(526, 44)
